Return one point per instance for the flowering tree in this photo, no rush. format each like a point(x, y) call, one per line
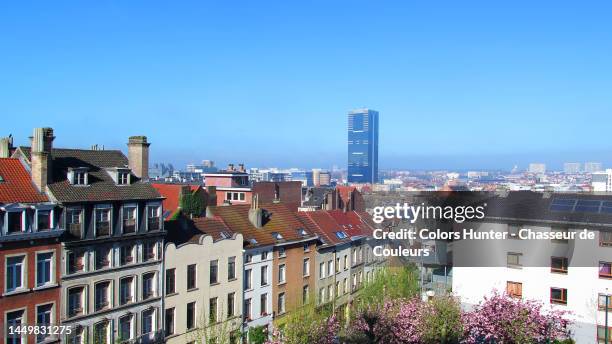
point(307, 325)
point(503, 319)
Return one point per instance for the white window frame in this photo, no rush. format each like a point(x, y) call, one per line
point(159, 214)
point(51, 319)
point(123, 207)
point(109, 295)
point(306, 267)
point(24, 273)
point(110, 219)
point(24, 321)
point(153, 285)
point(51, 281)
point(130, 316)
point(22, 219)
point(153, 320)
point(84, 299)
point(133, 289)
point(108, 331)
point(51, 218)
point(282, 272)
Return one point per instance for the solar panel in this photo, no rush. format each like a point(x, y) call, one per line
point(565, 208)
point(563, 201)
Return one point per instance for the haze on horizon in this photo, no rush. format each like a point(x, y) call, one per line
point(458, 86)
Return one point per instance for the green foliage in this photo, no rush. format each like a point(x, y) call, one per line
point(443, 323)
point(303, 325)
point(390, 283)
point(257, 335)
point(192, 204)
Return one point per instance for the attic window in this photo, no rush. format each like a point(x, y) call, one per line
point(1, 179)
point(341, 235)
point(277, 236)
point(252, 241)
point(123, 177)
point(225, 235)
point(302, 232)
point(78, 176)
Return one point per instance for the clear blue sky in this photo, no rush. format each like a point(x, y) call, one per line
point(458, 84)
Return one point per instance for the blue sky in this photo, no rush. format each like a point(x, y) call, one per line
point(457, 84)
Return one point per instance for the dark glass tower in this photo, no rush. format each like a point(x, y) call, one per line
point(363, 146)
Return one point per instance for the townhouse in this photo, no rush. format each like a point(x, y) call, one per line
point(30, 255)
point(111, 258)
point(565, 273)
point(203, 282)
point(281, 250)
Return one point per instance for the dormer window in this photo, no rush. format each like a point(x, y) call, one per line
point(78, 176)
point(15, 222)
point(277, 236)
point(123, 178)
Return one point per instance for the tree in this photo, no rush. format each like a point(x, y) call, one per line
point(257, 335)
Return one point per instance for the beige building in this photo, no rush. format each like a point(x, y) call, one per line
point(203, 283)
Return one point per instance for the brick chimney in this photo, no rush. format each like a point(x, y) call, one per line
point(241, 168)
point(256, 214)
point(138, 156)
point(6, 145)
point(42, 144)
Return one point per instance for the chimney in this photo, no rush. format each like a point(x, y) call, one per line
point(256, 213)
point(230, 167)
point(138, 156)
point(241, 168)
point(42, 144)
point(6, 145)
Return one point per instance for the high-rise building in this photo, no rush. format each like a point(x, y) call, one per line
point(363, 146)
point(591, 167)
point(602, 181)
point(571, 167)
point(537, 168)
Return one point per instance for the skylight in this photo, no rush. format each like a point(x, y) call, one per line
point(572, 205)
point(252, 241)
point(277, 236)
point(302, 232)
point(341, 235)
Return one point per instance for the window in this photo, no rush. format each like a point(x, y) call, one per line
point(125, 328)
point(558, 264)
point(123, 178)
point(306, 267)
point(248, 258)
point(601, 334)
point(148, 321)
point(76, 297)
point(126, 290)
point(127, 254)
point(346, 286)
point(149, 251)
point(558, 296)
point(170, 282)
point(601, 302)
point(306, 248)
point(231, 268)
point(15, 273)
point(102, 295)
point(191, 315)
point(77, 336)
point(281, 303)
point(305, 293)
point(248, 279)
point(103, 258)
point(14, 222)
point(264, 255)
point(281, 273)
point(153, 218)
point(330, 293)
point(264, 275)
point(354, 256)
point(214, 269)
point(148, 285)
point(321, 270)
point(338, 264)
point(330, 267)
point(605, 239)
point(43, 318)
point(73, 221)
point(15, 319)
point(281, 252)
point(76, 262)
point(231, 297)
point(514, 289)
point(605, 270)
point(346, 266)
point(80, 178)
point(338, 290)
point(43, 218)
point(44, 268)
point(234, 196)
point(513, 260)
point(513, 231)
point(102, 221)
point(129, 219)
point(263, 301)
point(191, 276)
point(247, 309)
point(212, 310)
point(169, 322)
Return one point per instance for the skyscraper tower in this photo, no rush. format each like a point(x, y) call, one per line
point(363, 146)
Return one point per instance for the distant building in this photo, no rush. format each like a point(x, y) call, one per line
point(591, 167)
point(537, 168)
point(363, 146)
point(571, 167)
point(231, 186)
point(321, 178)
point(306, 177)
point(160, 171)
point(602, 181)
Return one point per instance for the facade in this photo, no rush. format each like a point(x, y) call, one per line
point(292, 255)
point(601, 181)
point(363, 146)
point(572, 275)
point(232, 186)
point(572, 167)
point(538, 168)
point(203, 283)
point(30, 255)
point(112, 251)
point(591, 167)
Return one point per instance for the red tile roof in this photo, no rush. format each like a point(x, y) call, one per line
point(328, 223)
point(16, 183)
point(172, 194)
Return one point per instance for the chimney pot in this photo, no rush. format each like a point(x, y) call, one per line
point(42, 146)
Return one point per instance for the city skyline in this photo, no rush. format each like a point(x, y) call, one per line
point(489, 85)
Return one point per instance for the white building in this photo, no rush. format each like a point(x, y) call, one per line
point(591, 167)
point(538, 168)
point(572, 274)
point(572, 167)
point(602, 181)
point(257, 287)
